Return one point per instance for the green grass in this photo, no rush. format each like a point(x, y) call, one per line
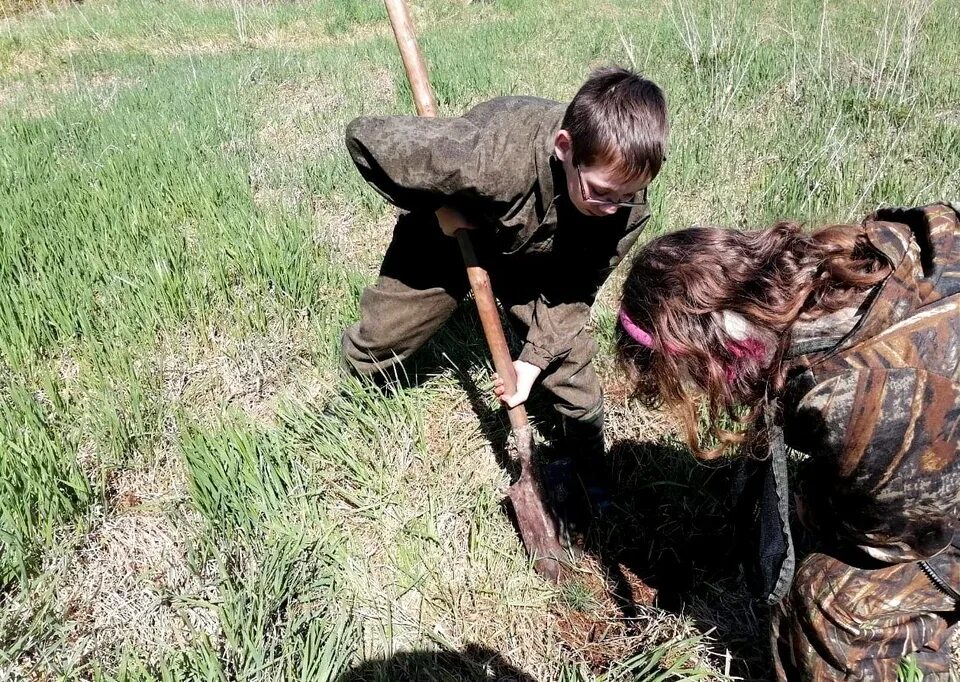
point(909, 670)
point(183, 239)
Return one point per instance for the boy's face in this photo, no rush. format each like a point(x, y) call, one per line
point(595, 190)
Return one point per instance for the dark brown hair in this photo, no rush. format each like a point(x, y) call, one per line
point(680, 284)
point(619, 118)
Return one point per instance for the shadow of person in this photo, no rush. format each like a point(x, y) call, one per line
point(672, 527)
point(474, 663)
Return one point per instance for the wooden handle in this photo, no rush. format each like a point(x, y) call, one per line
point(412, 59)
point(479, 279)
point(492, 329)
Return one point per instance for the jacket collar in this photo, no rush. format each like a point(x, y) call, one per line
point(549, 171)
point(898, 295)
point(936, 229)
point(918, 243)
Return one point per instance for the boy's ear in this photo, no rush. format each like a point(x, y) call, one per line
point(563, 145)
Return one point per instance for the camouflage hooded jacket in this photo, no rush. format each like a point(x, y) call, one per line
point(496, 165)
point(878, 411)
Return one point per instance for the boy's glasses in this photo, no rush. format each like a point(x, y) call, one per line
point(587, 199)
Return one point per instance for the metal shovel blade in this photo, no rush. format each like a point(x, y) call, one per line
point(538, 529)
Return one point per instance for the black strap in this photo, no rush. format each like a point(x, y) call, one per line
point(778, 463)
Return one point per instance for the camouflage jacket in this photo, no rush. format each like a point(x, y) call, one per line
point(878, 410)
point(496, 165)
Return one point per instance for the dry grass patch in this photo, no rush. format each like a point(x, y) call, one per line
point(160, 486)
point(253, 374)
point(293, 127)
point(304, 119)
point(949, 116)
point(300, 124)
point(298, 37)
point(37, 98)
point(354, 239)
point(627, 419)
point(307, 35)
point(33, 100)
point(11, 8)
point(30, 60)
point(129, 583)
point(295, 122)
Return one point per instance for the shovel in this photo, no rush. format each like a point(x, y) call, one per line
point(538, 528)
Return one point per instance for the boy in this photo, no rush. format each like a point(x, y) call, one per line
point(556, 196)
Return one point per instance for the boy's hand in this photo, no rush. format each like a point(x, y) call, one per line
point(451, 221)
point(527, 375)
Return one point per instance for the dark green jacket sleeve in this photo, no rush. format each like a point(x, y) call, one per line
point(420, 163)
point(562, 312)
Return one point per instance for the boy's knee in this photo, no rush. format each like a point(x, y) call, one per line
point(352, 361)
point(362, 358)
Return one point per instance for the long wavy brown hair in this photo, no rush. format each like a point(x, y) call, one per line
point(681, 283)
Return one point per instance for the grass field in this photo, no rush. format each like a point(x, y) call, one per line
point(189, 490)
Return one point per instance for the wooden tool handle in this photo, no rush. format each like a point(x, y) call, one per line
point(479, 279)
point(492, 329)
point(412, 59)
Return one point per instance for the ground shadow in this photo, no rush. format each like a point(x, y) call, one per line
point(672, 526)
point(473, 664)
